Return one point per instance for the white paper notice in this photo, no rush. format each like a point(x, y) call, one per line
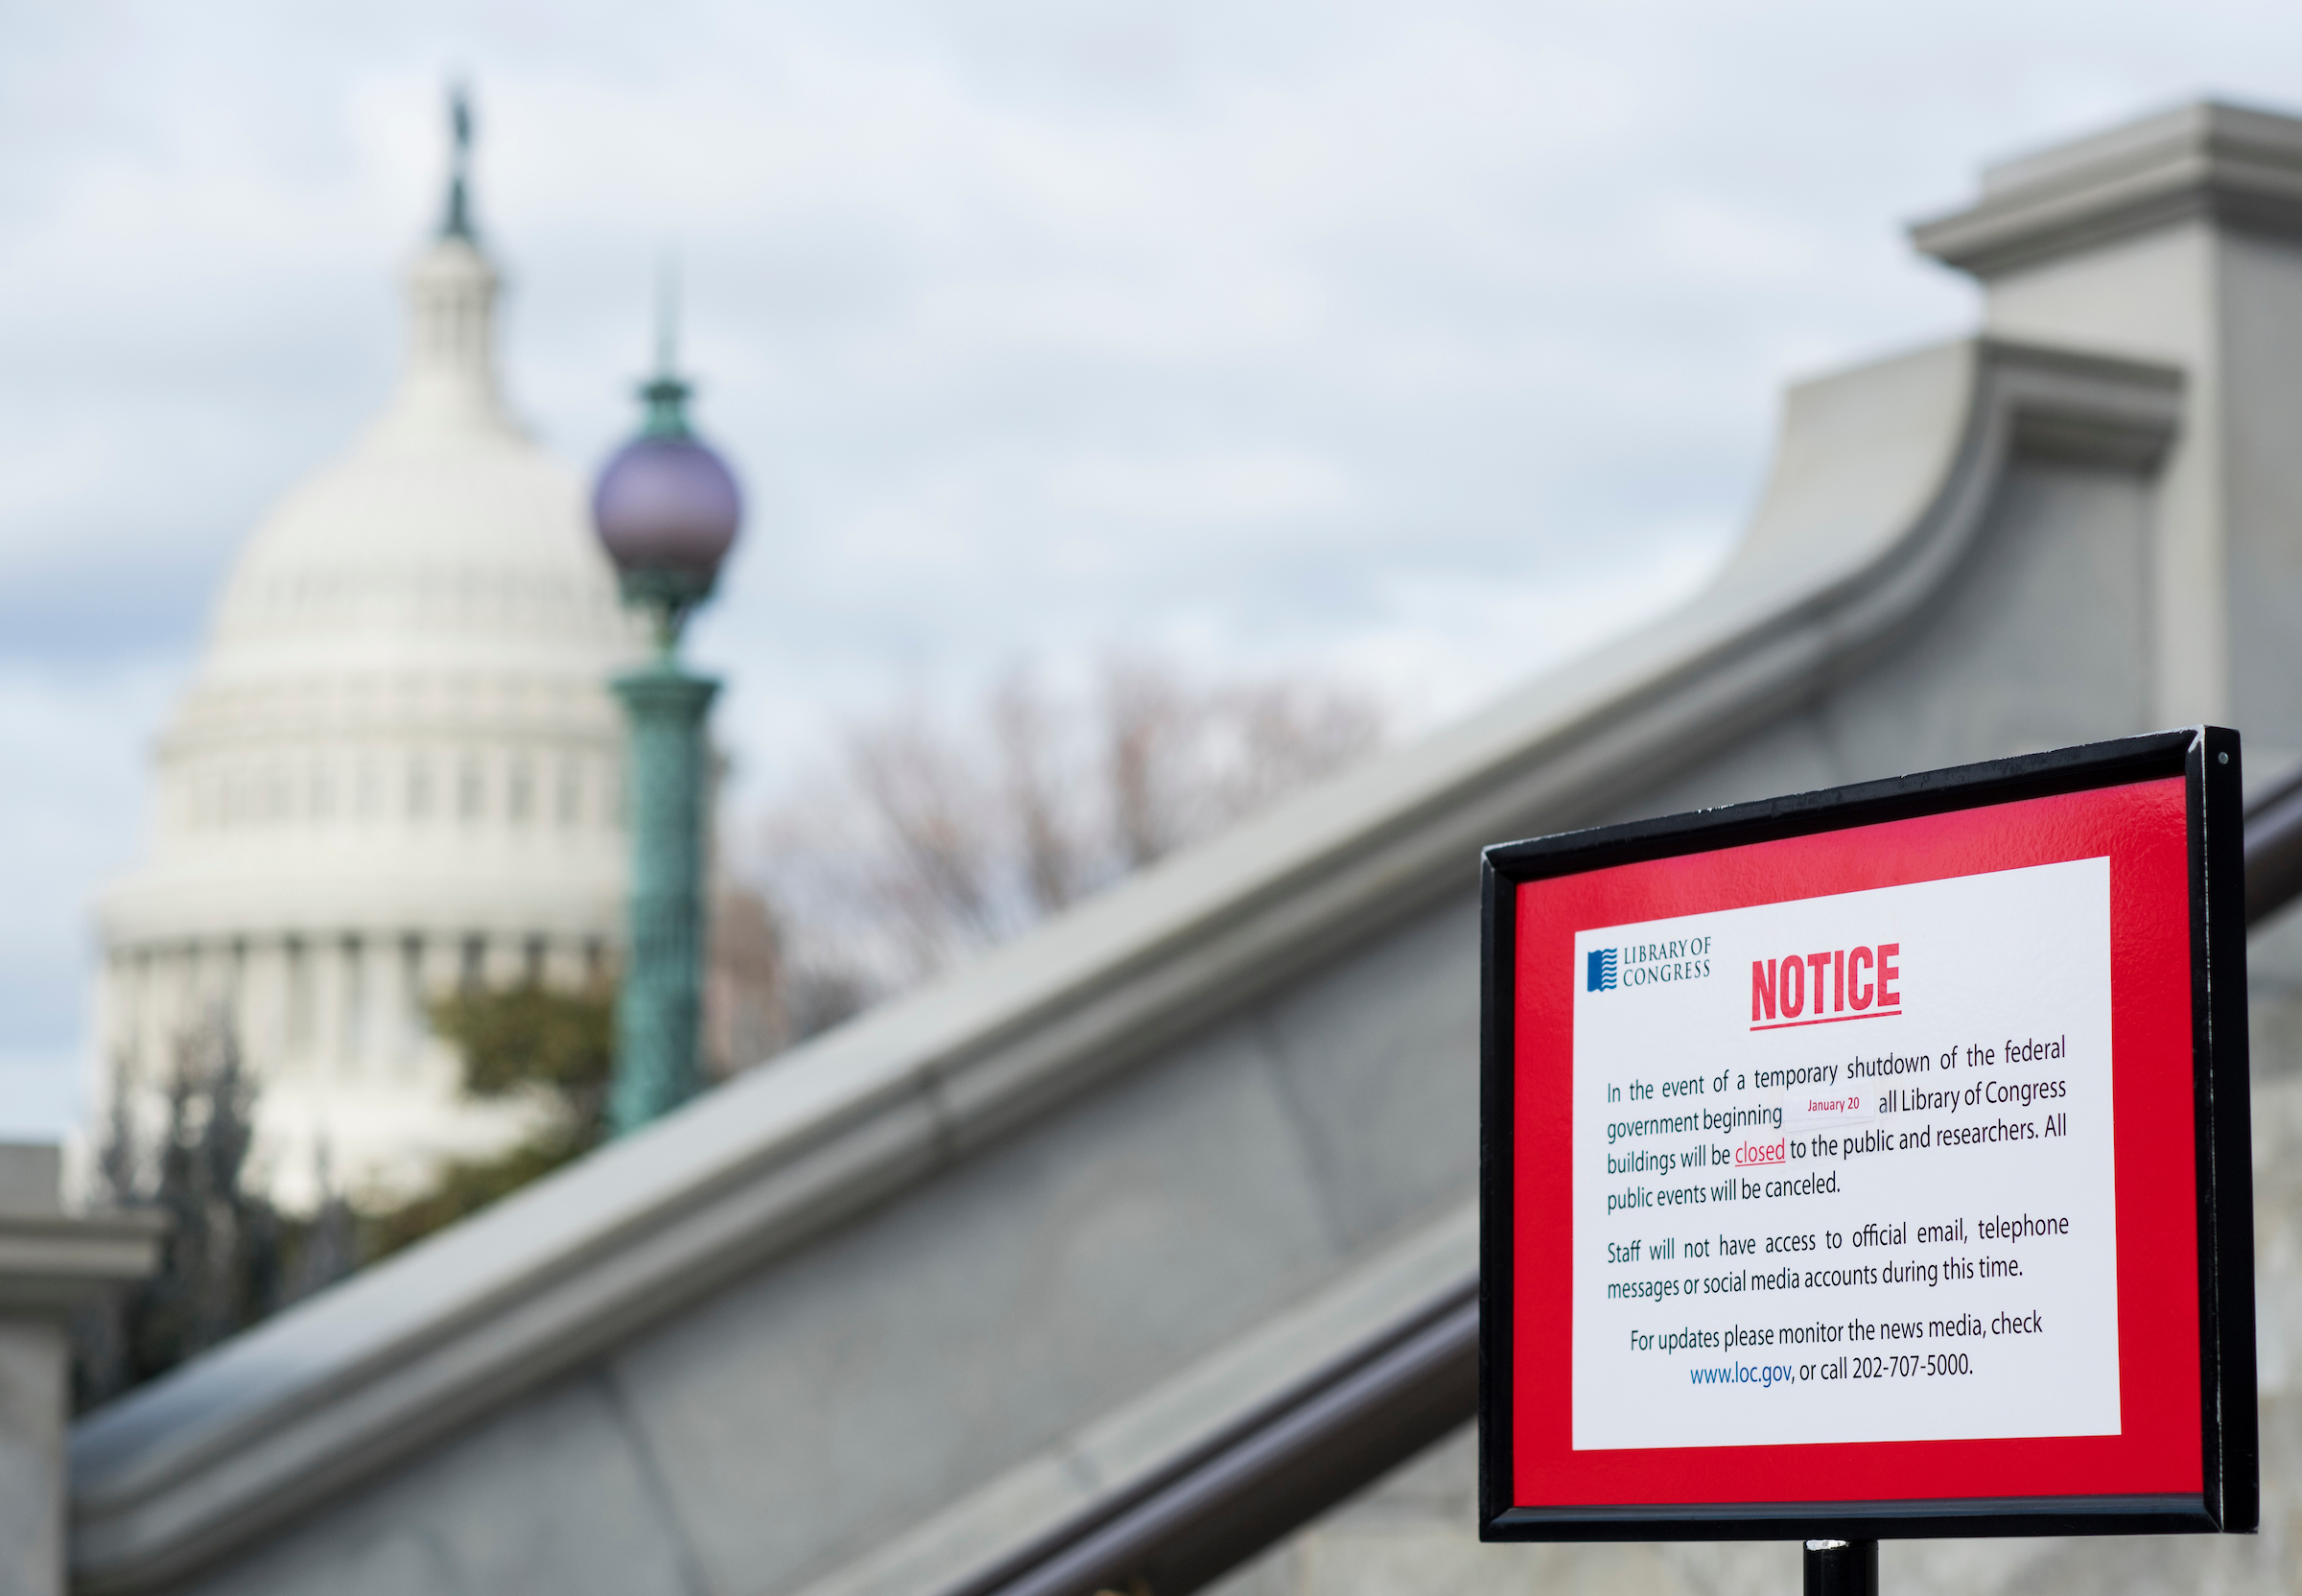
point(1844, 1168)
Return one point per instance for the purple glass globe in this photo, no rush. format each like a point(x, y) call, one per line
point(667, 508)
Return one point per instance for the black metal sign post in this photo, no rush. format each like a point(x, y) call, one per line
point(1841, 1568)
point(1874, 1162)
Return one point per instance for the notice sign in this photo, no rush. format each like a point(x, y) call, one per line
point(1866, 1161)
point(1846, 1168)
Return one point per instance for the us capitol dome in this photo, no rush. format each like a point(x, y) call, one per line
point(396, 769)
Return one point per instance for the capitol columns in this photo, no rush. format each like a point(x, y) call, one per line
point(667, 510)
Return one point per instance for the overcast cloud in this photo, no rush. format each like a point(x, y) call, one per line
point(1408, 344)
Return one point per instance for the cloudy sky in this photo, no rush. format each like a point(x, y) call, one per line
point(1412, 345)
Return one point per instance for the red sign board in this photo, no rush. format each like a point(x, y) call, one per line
point(1875, 1161)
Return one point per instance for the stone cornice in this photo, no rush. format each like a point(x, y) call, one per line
point(49, 1261)
point(2240, 167)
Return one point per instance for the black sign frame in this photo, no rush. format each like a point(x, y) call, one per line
point(2208, 759)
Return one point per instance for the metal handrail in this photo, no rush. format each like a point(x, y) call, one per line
point(1335, 1435)
point(1340, 1431)
point(2274, 849)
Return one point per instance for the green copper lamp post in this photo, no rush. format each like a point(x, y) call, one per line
point(667, 510)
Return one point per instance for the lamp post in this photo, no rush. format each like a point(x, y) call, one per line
point(667, 510)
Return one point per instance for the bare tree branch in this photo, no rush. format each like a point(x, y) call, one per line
point(938, 839)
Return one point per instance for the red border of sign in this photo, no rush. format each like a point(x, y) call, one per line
point(1934, 824)
point(2142, 828)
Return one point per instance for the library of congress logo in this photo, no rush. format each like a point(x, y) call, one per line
point(1646, 964)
